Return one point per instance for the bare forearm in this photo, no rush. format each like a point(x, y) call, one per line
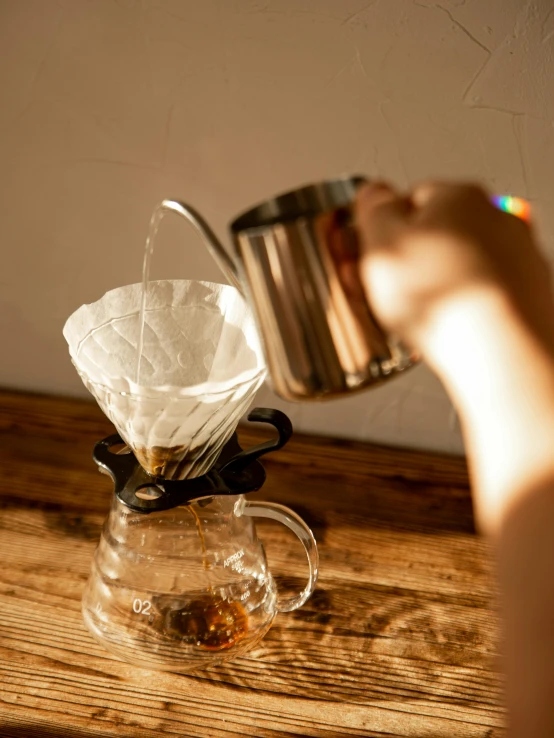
point(500, 374)
point(467, 285)
point(525, 551)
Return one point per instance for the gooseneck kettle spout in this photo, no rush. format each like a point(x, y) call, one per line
point(220, 255)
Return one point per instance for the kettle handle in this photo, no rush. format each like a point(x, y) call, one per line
point(222, 258)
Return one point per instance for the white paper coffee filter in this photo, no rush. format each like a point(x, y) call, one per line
point(201, 366)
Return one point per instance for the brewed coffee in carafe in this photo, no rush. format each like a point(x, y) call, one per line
point(157, 599)
point(180, 579)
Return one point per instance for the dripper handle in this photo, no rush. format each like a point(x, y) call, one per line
point(222, 258)
point(261, 415)
point(294, 522)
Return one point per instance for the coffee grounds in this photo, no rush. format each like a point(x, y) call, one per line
point(172, 463)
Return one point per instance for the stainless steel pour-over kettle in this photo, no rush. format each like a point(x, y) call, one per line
point(296, 262)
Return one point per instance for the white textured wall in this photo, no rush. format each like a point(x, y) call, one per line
point(106, 107)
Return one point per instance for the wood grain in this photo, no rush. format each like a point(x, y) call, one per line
point(399, 638)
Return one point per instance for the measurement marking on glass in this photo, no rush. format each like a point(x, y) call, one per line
point(141, 607)
point(233, 558)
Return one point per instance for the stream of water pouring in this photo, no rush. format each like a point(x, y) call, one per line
point(155, 220)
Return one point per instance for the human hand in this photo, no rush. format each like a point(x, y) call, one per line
point(440, 244)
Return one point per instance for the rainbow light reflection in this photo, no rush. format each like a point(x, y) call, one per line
point(513, 205)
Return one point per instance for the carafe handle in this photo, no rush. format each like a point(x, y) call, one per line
point(288, 517)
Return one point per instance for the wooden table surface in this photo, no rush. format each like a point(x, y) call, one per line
point(399, 638)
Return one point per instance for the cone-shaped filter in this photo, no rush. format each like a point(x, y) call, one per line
point(200, 368)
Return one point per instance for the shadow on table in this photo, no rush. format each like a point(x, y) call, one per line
point(359, 643)
point(37, 731)
point(24, 731)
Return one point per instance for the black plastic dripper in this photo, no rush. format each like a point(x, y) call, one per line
point(236, 471)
